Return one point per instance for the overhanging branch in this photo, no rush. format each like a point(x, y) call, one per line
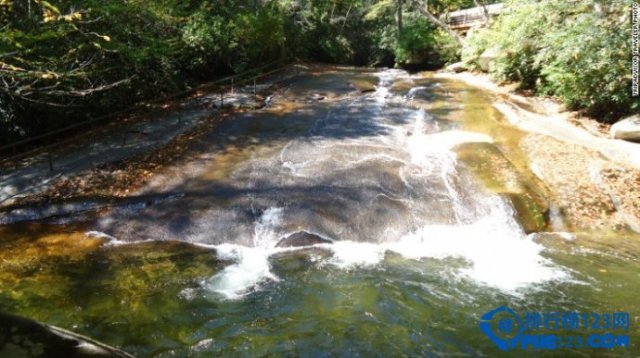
point(425, 11)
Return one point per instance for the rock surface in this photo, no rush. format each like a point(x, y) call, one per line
point(23, 337)
point(500, 175)
point(363, 86)
point(485, 59)
point(302, 238)
point(627, 129)
point(456, 67)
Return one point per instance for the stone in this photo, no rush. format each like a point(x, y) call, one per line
point(488, 56)
point(302, 238)
point(501, 176)
point(316, 96)
point(363, 86)
point(23, 337)
point(627, 129)
point(456, 67)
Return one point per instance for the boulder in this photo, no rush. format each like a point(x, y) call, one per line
point(302, 238)
point(488, 56)
point(627, 129)
point(316, 96)
point(23, 337)
point(456, 67)
point(363, 86)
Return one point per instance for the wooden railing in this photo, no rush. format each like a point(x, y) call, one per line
point(467, 18)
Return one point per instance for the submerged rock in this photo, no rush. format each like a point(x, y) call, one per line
point(302, 238)
point(363, 86)
point(23, 337)
point(501, 176)
point(317, 96)
point(627, 129)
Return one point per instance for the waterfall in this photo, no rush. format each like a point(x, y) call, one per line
point(435, 212)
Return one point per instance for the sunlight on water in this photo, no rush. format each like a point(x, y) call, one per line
point(420, 245)
point(484, 232)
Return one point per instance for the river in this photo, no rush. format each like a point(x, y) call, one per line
point(421, 247)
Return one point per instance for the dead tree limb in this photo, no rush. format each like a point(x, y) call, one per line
point(425, 11)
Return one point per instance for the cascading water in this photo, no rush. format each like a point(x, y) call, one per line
point(409, 249)
point(403, 180)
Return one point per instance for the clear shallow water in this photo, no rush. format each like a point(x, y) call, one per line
point(421, 248)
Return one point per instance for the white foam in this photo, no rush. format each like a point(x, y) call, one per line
point(412, 92)
point(349, 254)
point(251, 267)
point(251, 263)
point(497, 255)
point(484, 232)
point(112, 241)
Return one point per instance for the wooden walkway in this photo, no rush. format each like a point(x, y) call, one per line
point(463, 20)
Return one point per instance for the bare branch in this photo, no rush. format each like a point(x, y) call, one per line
point(86, 92)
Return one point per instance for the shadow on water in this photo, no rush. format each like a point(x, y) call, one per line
point(246, 170)
point(339, 166)
point(332, 194)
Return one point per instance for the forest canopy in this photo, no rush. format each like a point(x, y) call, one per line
point(578, 51)
point(62, 62)
point(66, 61)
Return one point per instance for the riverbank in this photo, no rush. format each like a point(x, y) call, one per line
point(197, 251)
point(115, 160)
point(594, 180)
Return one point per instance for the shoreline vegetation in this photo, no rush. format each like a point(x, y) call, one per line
point(528, 102)
point(573, 56)
point(66, 62)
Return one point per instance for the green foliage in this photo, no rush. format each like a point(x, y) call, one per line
point(448, 49)
point(421, 42)
point(589, 66)
point(66, 61)
point(415, 41)
point(578, 51)
point(331, 31)
point(478, 41)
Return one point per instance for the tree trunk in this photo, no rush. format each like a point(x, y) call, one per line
point(425, 11)
point(484, 9)
point(399, 17)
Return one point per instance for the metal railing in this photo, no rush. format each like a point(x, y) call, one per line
point(222, 85)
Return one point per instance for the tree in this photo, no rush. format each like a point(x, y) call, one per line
point(424, 9)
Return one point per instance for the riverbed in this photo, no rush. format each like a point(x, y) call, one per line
point(434, 215)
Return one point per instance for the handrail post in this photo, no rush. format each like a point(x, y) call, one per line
point(255, 94)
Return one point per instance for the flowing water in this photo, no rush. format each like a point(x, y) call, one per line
point(421, 247)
